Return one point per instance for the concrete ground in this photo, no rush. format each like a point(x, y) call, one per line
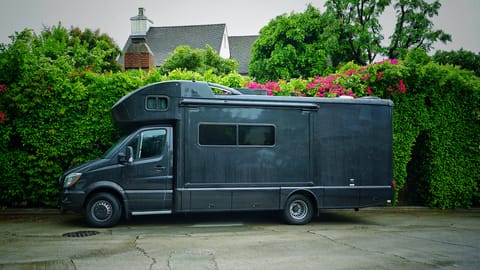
point(378, 238)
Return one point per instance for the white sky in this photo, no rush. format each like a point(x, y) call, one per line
point(243, 17)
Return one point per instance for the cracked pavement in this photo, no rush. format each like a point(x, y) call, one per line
point(378, 238)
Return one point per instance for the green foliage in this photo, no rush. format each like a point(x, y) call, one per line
point(198, 60)
point(99, 51)
point(53, 116)
point(436, 122)
point(414, 27)
point(357, 28)
point(55, 102)
point(449, 149)
point(311, 43)
point(465, 59)
point(291, 47)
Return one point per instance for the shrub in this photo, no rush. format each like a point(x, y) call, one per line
point(54, 115)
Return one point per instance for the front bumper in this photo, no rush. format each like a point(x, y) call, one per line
point(72, 200)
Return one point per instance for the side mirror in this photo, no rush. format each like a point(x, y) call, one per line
point(126, 157)
point(130, 154)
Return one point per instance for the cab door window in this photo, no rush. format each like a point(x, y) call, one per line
point(152, 143)
point(149, 144)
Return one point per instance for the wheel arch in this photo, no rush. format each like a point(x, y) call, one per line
point(305, 192)
point(108, 187)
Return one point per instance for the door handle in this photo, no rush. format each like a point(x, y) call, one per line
point(160, 168)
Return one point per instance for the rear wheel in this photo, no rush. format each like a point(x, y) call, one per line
point(103, 210)
point(298, 210)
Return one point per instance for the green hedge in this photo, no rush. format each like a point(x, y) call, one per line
point(436, 122)
point(54, 117)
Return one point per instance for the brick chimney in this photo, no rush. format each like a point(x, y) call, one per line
point(138, 54)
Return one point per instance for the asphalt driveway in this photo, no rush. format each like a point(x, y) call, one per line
point(378, 238)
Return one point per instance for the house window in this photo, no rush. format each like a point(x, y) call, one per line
point(236, 135)
point(156, 103)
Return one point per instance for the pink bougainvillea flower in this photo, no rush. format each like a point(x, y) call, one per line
point(254, 85)
point(369, 91)
point(351, 72)
point(2, 117)
point(2, 88)
point(379, 75)
point(366, 77)
point(272, 86)
point(401, 87)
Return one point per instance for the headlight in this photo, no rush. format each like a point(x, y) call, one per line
point(71, 179)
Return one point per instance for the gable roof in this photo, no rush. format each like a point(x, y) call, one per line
point(163, 40)
point(241, 50)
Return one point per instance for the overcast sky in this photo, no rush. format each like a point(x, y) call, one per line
point(243, 17)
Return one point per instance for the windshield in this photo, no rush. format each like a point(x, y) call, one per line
point(109, 153)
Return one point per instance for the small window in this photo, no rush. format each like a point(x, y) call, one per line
point(156, 103)
point(256, 135)
point(218, 134)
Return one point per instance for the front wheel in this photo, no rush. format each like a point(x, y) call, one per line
point(298, 210)
point(103, 210)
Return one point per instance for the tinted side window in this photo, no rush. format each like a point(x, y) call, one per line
point(152, 143)
point(217, 134)
point(156, 103)
point(256, 135)
point(221, 134)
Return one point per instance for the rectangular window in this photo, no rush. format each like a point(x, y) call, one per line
point(247, 135)
point(156, 103)
point(256, 135)
point(218, 134)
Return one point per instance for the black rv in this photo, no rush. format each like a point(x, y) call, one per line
point(188, 149)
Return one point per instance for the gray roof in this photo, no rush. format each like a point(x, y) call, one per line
point(138, 46)
point(163, 40)
point(241, 50)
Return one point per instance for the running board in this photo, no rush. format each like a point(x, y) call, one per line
point(144, 213)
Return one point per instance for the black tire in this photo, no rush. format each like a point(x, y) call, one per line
point(103, 210)
point(298, 210)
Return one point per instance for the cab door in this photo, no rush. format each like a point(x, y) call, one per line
point(148, 179)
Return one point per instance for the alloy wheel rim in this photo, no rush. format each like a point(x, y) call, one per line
point(102, 210)
point(298, 209)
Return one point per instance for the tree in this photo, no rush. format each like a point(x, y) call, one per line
point(291, 46)
point(414, 28)
point(305, 44)
point(199, 60)
point(85, 50)
point(102, 52)
point(355, 23)
point(463, 58)
point(358, 29)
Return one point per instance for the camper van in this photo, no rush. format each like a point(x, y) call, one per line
point(193, 146)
